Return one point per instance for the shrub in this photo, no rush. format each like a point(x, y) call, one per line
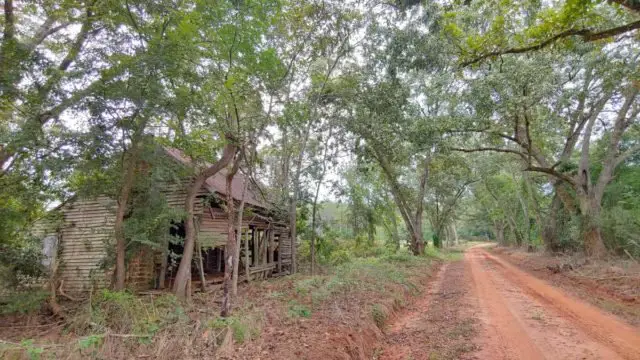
point(24, 302)
point(340, 257)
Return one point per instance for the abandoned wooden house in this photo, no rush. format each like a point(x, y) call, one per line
point(78, 246)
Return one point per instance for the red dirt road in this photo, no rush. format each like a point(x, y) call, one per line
point(513, 315)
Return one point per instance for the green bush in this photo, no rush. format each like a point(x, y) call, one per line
point(340, 257)
point(24, 302)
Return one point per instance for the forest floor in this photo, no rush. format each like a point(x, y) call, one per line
point(485, 307)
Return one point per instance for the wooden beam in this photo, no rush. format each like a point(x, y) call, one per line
point(269, 246)
point(279, 255)
point(246, 255)
point(253, 247)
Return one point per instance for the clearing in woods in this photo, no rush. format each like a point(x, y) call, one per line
point(482, 307)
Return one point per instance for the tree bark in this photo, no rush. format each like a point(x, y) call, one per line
point(123, 202)
point(198, 252)
point(236, 259)
point(499, 230)
point(591, 230)
point(394, 231)
point(230, 249)
point(550, 231)
point(183, 274)
point(418, 238)
point(455, 234)
point(293, 233)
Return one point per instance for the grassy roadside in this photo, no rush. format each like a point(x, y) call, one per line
point(345, 308)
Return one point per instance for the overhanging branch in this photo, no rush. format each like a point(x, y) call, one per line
point(587, 35)
point(508, 151)
point(553, 173)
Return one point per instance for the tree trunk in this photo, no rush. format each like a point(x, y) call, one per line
point(236, 259)
point(313, 234)
point(437, 237)
point(183, 275)
point(293, 231)
point(325, 158)
point(591, 231)
point(394, 231)
point(198, 251)
point(371, 228)
point(593, 244)
point(499, 230)
point(454, 232)
point(230, 250)
point(418, 235)
point(123, 202)
point(550, 232)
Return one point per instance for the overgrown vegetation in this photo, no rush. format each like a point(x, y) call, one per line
point(141, 325)
point(377, 131)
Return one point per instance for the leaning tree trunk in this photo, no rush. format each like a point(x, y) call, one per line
point(394, 231)
point(183, 275)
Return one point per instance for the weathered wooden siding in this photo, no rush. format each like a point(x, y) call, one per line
point(285, 246)
point(86, 232)
point(176, 193)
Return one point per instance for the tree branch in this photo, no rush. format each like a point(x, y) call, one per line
point(552, 172)
point(508, 151)
point(9, 21)
point(632, 5)
point(587, 35)
point(625, 155)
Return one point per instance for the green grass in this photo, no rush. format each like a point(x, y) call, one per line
point(243, 327)
point(379, 315)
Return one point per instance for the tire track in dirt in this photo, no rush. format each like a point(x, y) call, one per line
point(558, 325)
point(485, 308)
point(440, 325)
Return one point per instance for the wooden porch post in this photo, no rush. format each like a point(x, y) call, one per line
point(269, 245)
point(254, 244)
point(246, 255)
point(279, 253)
point(265, 240)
